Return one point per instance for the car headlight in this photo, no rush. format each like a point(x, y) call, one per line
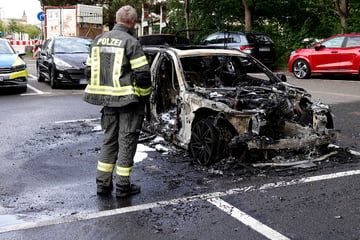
point(18, 68)
point(19, 65)
point(61, 64)
point(292, 53)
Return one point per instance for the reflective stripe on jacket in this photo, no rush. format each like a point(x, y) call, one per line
point(116, 59)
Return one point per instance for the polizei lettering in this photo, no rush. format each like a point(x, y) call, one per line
point(109, 41)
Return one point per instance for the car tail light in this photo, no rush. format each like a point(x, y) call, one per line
point(244, 48)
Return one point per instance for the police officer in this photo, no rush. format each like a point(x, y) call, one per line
point(120, 82)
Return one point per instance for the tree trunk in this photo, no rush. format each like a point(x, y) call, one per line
point(342, 9)
point(248, 16)
point(187, 17)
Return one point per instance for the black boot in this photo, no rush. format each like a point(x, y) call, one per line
point(127, 190)
point(104, 190)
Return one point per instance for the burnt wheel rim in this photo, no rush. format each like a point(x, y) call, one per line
point(203, 142)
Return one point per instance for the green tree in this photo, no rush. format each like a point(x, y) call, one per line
point(114, 5)
point(2, 29)
point(13, 27)
point(354, 17)
point(32, 30)
point(286, 22)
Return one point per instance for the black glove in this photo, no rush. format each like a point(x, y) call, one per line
point(143, 79)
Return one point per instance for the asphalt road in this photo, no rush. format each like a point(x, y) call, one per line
point(50, 143)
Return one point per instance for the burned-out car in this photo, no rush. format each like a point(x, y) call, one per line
point(205, 100)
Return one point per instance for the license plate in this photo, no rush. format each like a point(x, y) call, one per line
point(83, 81)
point(264, 49)
point(1, 78)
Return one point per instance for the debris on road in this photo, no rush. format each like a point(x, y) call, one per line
point(295, 163)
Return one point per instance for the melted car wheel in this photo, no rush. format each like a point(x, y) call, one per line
point(301, 69)
point(204, 142)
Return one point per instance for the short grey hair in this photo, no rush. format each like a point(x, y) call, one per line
point(126, 14)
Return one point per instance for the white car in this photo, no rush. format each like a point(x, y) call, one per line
point(204, 100)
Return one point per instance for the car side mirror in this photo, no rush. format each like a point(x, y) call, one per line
point(282, 77)
point(317, 48)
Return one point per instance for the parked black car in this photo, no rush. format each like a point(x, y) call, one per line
point(256, 44)
point(163, 39)
point(62, 61)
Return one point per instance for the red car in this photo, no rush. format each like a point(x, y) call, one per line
point(337, 54)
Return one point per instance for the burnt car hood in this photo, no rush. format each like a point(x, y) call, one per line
point(251, 97)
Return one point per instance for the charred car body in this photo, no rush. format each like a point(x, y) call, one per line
point(204, 100)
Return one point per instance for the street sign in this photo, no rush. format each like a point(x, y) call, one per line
point(40, 16)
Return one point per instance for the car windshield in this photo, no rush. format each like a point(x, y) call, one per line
point(72, 45)
point(214, 71)
point(5, 48)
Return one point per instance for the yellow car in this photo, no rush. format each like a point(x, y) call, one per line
point(13, 69)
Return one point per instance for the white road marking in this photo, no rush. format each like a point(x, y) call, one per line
point(208, 196)
point(268, 186)
point(37, 91)
point(141, 151)
point(32, 77)
point(247, 219)
point(78, 120)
